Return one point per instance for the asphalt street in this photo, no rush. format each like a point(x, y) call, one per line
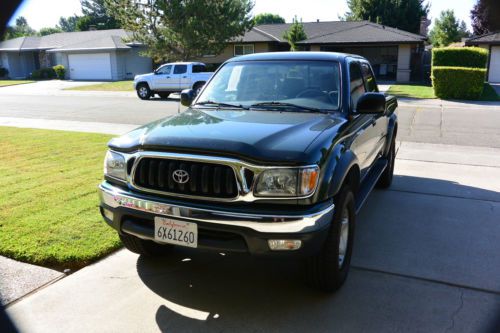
point(425, 256)
point(451, 123)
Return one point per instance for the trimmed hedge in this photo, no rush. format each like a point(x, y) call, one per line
point(43, 73)
point(470, 57)
point(60, 71)
point(458, 82)
point(3, 72)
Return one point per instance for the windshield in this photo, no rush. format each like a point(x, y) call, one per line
point(308, 84)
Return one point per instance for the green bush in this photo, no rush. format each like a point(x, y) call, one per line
point(458, 82)
point(60, 71)
point(471, 57)
point(3, 72)
point(43, 74)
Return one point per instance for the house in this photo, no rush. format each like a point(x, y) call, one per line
point(394, 54)
point(491, 42)
point(105, 54)
point(86, 55)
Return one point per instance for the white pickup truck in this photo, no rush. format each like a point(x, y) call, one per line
point(170, 78)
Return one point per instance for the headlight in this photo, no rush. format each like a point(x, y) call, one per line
point(115, 166)
point(293, 182)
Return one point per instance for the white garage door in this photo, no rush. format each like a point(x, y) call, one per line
point(92, 66)
point(495, 65)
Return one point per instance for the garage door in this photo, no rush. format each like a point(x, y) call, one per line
point(495, 65)
point(92, 66)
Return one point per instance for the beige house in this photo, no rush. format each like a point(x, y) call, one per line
point(395, 55)
point(490, 42)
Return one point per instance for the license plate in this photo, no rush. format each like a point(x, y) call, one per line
point(176, 232)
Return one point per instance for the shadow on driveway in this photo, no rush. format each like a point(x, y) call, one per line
point(424, 261)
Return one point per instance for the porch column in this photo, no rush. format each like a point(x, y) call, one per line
point(404, 54)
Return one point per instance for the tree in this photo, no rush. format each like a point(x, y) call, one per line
point(68, 24)
point(21, 29)
point(485, 16)
point(402, 14)
point(49, 31)
point(95, 14)
point(447, 29)
point(268, 18)
point(183, 29)
point(295, 34)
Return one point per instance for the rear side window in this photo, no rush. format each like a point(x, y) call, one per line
point(357, 86)
point(370, 83)
point(180, 69)
point(199, 69)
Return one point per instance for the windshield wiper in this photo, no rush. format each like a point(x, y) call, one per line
point(220, 104)
point(283, 104)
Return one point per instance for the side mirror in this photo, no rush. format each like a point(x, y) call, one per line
point(187, 96)
point(371, 103)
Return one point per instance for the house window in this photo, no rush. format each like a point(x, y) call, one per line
point(243, 49)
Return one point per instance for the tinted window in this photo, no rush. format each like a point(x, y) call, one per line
point(305, 83)
point(199, 68)
point(357, 86)
point(180, 69)
point(164, 69)
point(370, 83)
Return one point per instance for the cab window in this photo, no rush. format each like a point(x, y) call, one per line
point(180, 69)
point(164, 69)
point(370, 83)
point(357, 85)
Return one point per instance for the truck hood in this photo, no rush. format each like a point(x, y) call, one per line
point(281, 137)
point(142, 76)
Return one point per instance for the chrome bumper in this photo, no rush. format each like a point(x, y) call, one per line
point(114, 197)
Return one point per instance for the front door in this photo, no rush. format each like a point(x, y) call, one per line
point(365, 143)
point(161, 79)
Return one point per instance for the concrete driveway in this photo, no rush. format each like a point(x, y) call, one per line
point(425, 260)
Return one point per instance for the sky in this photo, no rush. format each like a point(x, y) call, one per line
point(46, 13)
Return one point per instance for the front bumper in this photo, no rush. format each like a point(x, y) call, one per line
point(219, 229)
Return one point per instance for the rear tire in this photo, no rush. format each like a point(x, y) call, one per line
point(385, 179)
point(144, 247)
point(163, 95)
point(143, 91)
point(328, 270)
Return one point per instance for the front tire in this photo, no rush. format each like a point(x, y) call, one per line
point(197, 88)
point(143, 247)
point(328, 270)
point(143, 91)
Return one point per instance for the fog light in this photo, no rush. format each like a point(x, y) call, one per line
point(108, 214)
point(284, 244)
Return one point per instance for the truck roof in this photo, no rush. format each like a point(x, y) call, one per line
point(321, 56)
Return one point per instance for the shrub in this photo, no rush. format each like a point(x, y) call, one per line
point(60, 71)
point(4, 72)
point(471, 57)
point(458, 82)
point(43, 74)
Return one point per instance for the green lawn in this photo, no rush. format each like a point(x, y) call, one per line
point(108, 86)
point(48, 198)
point(5, 83)
point(411, 91)
point(419, 91)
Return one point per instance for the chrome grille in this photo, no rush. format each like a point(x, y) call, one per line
point(203, 179)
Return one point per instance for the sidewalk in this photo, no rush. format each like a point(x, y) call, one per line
point(66, 125)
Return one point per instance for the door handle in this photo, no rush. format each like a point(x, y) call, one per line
point(184, 77)
point(168, 77)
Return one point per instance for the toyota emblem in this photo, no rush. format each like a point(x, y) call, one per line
point(180, 176)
